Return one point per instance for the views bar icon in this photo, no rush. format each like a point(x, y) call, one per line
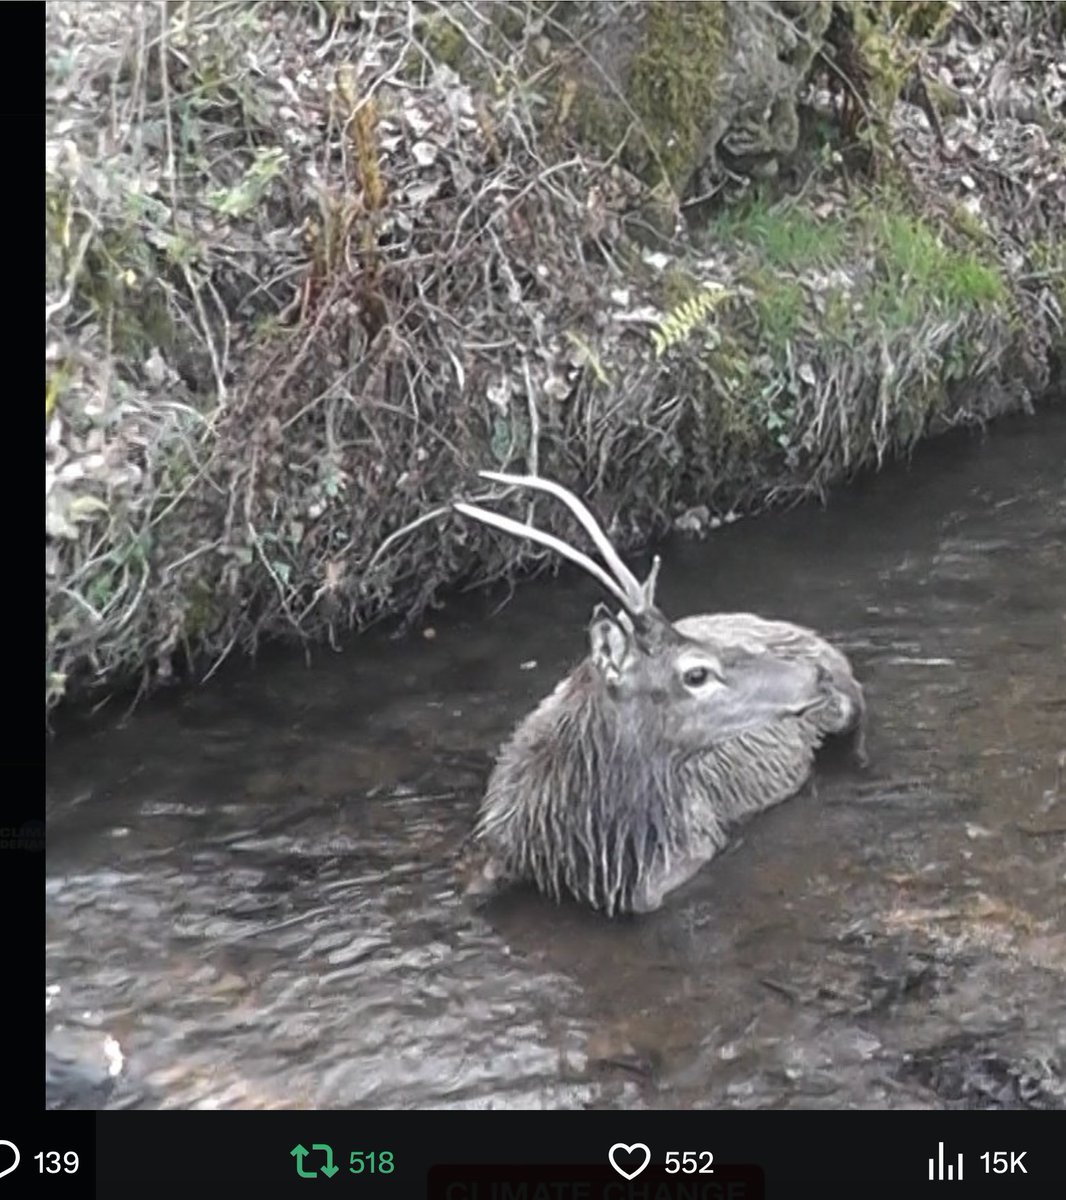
point(937, 1165)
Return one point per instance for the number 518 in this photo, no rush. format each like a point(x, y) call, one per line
point(373, 1162)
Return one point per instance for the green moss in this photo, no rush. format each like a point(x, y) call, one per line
point(920, 18)
point(672, 86)
point(443, 40)
point(884, 42)
point(945, 100)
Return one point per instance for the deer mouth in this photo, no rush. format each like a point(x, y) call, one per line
point(825, 696)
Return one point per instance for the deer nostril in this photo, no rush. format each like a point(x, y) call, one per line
point(825, 676)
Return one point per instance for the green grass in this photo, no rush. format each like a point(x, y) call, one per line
point(785, 237)
point(780, 303)
point(913, 257)
point(913, 269)
point(909, 253)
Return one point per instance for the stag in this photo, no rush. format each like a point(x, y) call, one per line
point(625, 780)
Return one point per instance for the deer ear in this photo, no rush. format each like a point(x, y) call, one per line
point(610, 643)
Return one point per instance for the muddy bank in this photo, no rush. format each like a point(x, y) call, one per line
point(249, 887)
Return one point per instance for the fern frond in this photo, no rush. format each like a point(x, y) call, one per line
point(679, 323)
point(589, 356)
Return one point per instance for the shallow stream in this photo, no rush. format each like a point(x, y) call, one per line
point(249, 890)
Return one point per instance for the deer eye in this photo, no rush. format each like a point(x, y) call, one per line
point(696, 677)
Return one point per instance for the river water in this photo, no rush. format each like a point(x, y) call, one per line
point(250, 899)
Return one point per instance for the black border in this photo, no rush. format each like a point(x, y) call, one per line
point(823, 1154)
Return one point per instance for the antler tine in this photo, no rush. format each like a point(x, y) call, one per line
point(648, 586)
point(519, 529)
point(634, 592)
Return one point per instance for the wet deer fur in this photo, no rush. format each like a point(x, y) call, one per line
point(624, 781)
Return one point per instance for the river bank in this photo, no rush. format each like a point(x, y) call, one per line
point(321, 263)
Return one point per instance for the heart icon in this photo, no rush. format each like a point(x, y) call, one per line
point(15, 1151)
point(621, 1147)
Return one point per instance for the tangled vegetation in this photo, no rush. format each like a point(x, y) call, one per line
point(311, 265)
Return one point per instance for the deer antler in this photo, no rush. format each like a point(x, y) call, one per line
point(624, 586)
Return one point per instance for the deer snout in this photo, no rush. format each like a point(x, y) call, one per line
point(828, 689)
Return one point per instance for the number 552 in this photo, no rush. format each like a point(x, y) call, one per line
point(689, 1162)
